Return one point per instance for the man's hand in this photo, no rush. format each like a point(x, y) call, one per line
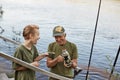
point(60, 58)
point(52, 62)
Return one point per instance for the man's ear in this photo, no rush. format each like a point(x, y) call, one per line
point(65, 34)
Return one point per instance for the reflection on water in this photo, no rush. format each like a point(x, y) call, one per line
point(77, 16)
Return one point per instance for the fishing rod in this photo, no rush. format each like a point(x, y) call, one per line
point(93, 40)
point(113, 67)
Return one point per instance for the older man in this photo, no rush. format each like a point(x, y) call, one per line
point(64, 56)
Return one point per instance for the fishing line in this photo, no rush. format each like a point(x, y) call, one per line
point(93, 39)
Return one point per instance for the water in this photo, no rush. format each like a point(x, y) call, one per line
point(78, 18)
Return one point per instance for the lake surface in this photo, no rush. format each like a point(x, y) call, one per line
point(78, 17)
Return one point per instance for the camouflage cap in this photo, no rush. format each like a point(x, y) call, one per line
point(58, 31)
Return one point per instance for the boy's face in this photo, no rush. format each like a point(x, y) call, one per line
point(35, 37)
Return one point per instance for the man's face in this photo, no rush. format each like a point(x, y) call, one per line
point(60, 39)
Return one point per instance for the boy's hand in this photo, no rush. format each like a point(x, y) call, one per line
point(35, 63)
point(45, 54)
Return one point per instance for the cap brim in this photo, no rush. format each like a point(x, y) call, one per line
point(58, 34)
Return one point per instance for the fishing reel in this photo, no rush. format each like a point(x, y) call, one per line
point(67, 59)
point(68, 62)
